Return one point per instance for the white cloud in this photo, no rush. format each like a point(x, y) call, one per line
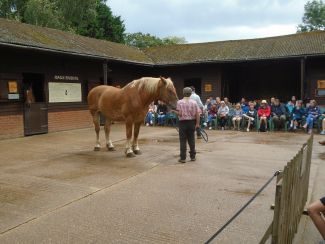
point(210, 20)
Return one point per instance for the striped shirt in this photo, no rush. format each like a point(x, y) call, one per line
point(188, 109)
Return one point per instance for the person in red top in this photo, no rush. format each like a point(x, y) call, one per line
point(264, 112)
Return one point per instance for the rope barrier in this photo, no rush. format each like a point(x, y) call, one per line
point(241, 210)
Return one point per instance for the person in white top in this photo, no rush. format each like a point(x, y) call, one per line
point(197, 98)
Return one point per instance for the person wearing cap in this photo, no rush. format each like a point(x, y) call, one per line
point(189, 119)
point(264, 112)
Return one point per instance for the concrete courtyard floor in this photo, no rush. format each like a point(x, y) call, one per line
point(55, 189)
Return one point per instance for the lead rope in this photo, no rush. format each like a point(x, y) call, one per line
point(241, 210)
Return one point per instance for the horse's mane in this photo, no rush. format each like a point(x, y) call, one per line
point(148, 84)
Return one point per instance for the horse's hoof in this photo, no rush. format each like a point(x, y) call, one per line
point(137, 152)
point(130, 155)
point(96, 149)
point(110, 148)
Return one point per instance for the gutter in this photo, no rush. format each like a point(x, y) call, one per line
point(103, 58)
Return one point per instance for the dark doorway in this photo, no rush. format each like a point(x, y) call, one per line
point(35, 107)
point(196, 82)
point(262, 80)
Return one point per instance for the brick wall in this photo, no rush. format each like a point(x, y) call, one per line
point(11, 126)
point(68, 120)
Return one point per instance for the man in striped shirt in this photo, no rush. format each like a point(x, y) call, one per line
point(189, 119)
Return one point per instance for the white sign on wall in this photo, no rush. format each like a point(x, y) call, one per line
point(64, 92)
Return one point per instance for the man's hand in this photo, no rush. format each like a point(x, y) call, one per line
point(197, 126)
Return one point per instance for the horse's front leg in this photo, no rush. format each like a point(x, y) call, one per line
point(135, 145)
point(97, 129)
point(128, 147)
point(109, 143)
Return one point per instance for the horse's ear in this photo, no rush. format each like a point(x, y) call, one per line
point(163, 80)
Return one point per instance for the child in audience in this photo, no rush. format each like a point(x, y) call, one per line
point(313, 112)
point(223, 112)
point(150, 114)
point(236, 119)
point(298, 113)
point(212, 115)
point(250, 116)
point(264, 112)
point(244, 105)
point(291, 104)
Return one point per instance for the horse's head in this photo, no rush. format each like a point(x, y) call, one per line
point(167, 92)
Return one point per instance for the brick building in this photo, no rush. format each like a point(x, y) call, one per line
point(60, 68)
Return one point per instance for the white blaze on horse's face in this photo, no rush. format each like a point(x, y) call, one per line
point(168, 92)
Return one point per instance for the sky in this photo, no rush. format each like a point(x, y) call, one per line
point(210, 20)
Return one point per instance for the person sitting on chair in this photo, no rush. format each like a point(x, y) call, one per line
point(250, 116)
point(161, 111)
point(212, 114)
point(278, 113)
point(151, 114)
point(237, 116)
point(223, 112)
point(264, 112)
point(313, 112)
point(298, 113)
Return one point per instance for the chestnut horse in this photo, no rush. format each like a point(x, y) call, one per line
point(129, 104)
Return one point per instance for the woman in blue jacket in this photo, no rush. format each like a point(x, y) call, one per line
point(313, 112)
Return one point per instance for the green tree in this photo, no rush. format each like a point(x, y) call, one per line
point(105, 25)
point(12, 9)
point(314, 17)
point(142, 40)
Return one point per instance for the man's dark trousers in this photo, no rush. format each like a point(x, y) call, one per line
point(186, 134)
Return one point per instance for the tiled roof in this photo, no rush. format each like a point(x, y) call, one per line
point(16, 33)
point(295, 45)
point(301, 44)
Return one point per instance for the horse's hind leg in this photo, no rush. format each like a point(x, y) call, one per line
point(109, 143)
point(128, 147)
point(96, 121)
point(135, 145)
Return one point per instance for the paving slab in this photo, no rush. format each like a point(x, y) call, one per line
point(55, 189)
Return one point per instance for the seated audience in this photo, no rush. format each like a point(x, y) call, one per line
point(264, 112)
point(151, 114)
point(291, 104)
point(244, 105)
point(237, 116)
point(227, 102)
point(272, 100)
point(298, 113)
point(212, 114)
point(218, 101)
point(161, 112)
point(223, 112)
point(278, 113)
point(250, 116)
point(323, 124)
point(312, 113)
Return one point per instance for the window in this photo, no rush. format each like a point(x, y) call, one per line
point(320, 91)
